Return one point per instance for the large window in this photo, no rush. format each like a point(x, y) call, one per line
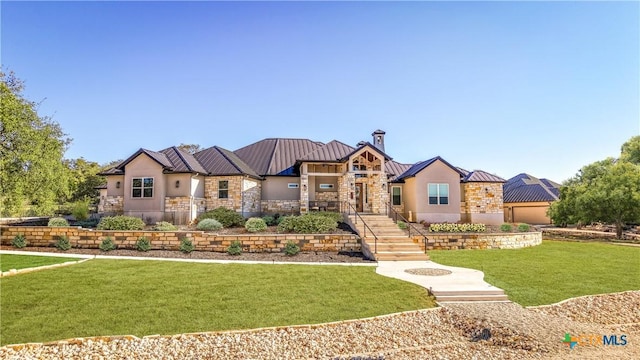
point(396, 195)
point(438, 194)
point(142, 187)
point(223, 189)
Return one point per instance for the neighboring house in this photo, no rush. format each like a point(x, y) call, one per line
point(291, 176)
point(527, 199)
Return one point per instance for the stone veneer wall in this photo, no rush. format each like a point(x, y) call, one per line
point(280, 206)
point(454, 241)
point(178, 209)
point(482, 198)
point(170, 240)
point(327, 196)
point(252, 193)
point(114, 204)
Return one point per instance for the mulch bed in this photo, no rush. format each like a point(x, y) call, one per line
point(303, 256)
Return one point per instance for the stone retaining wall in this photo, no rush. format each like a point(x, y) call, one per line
point(170, 240)
point(454, 241)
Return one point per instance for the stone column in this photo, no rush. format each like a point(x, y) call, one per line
point(304, 194)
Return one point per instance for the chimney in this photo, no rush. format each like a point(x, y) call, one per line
point(378, 139)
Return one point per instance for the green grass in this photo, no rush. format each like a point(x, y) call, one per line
point(553, 271)
point(118, 297)
point(9, 261)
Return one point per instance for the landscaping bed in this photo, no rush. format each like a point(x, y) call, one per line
point(303, 256)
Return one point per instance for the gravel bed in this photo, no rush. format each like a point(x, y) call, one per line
point(451, 332)
point(303, 256)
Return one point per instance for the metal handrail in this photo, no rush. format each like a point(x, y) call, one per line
point(375, 237)
point(397, 214)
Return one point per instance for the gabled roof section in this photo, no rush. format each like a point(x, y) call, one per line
point(158, 157)
point(332, 151)
point(182, 161)
point(218, 161)
point(112, 171)
point(395, 169)
point(362, 145)
point(481, 176)
point(276, 156)
point(526, 188)
point(417, 167)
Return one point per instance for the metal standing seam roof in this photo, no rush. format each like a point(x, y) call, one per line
point(275, 156)
point(182, 161)
point(395, 169)
point(417, 167)
point(218, 161)
point(526, 188)
point(481, 176)
point(331, 151)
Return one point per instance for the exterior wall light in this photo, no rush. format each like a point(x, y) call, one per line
point(118, 185)
point(177, 183)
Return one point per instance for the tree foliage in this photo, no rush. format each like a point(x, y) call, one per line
point(190, 148)
point(605, 191)
point(631, 150)
point(32, 174)
point(83, 179)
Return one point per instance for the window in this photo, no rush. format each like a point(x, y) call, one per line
point(293, 185)
point(326, 186)
point(223, 189)
point(438, 194)
point(142, 187)
point(396, 195)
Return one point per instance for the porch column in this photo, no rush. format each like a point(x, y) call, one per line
point(304, 194)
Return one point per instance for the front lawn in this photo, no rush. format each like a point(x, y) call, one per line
point(119, 297)
point(10, 261)
point(553, 271)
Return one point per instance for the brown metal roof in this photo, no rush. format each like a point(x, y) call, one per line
point(394, 169)
point(182, 161)
point(332, 151)
point(276, 156)
point(482, 176)
point(218, 161)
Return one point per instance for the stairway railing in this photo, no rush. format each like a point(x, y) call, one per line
point(397, 215)
point(349, 207)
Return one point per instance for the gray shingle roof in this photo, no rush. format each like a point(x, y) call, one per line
point(527, 188)
point(481, 176)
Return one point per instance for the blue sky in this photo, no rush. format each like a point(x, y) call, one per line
point(507, 87)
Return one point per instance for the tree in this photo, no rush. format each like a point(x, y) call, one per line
point(606, 191)
point(31, 149)
point(631, 150)
point(190, 148)
point(83, 179)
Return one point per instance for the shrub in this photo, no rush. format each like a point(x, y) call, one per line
point(291, 248)
point(120, 223)
point(164, 226)
point(226, 217)
point(457, 227)
point(523, 227)
point(270, 220)
point(19, 241)
point(143, 244)
point(88, 223)
point(255, 225)
point(209, 224)
point(335, 216)
point(402, 225)
point(308, 224)
point(506, 227)
point(186, 246)
point(58, 221)
point(80, 210)
point(63, 243)
point(107, 244)
point(235, 248)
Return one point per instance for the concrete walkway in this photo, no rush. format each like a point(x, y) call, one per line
point(461, 284)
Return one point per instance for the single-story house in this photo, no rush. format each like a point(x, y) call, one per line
point(527, 199)
point(291, 176)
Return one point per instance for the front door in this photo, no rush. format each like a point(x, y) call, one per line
point(359, 193)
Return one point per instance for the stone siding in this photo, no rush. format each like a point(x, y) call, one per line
point(327, 196)
point(280, 207)
point(454, 241)
point(482, 198)
point(239, 189)
point(170, 240)
point(177, 210)
point(113, 204)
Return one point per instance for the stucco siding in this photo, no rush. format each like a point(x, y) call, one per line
point(531, 213)
point(112, 185)
point(144, 167)
point(184, 185)
point(436, 173)
point(276, 188)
